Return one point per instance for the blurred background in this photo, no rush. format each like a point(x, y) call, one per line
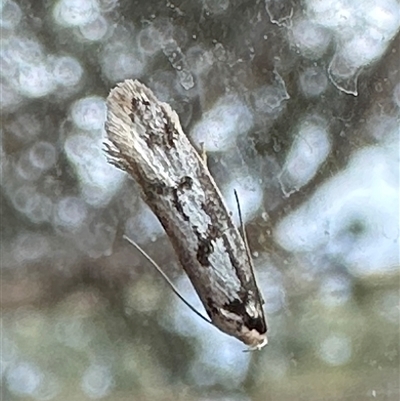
point(297, 104)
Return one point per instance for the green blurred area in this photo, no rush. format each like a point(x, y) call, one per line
point(91, 328)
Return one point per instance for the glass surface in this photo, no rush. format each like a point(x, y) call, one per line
point(297, 106)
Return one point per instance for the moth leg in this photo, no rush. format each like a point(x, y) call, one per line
point(262, 300)
point(203, 153)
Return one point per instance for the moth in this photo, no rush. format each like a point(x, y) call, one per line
point(145, 139)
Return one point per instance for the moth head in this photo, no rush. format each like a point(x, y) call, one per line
point(250, 328)
point(254, 339)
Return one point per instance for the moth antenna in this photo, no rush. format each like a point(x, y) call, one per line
point(241, 222)
point(246, 244)
point(166, 278)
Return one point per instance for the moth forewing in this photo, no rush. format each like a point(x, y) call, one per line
point(145, 139)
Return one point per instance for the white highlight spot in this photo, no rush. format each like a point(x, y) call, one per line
point(67, 71)
point(97, 381)
point(271, 283)
point(199, 59)
point(70, 213)
point(35, 81)
point(95, 30)
point(383, 16)
point(24, 198)
point(336, 350)
point(250, 195)
point(354, 216)
point(98, 179)
point(48, 389)
point(337, 14)
point(144, 226)
point(17, 52)
point(43, 155)
point(34, 205)
point(25, 169)
point(335, 291)
point(313, 81)
point(119, 62)
point(308, 151)
point(220, 126)
point(75, 12)
point(220, 362)
point(23, 379)
point(269, 100)
point(152, 38)
point(363, 31)
point(10, 15)
point(30, 246)
point(89, 113)
point(311, 39)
